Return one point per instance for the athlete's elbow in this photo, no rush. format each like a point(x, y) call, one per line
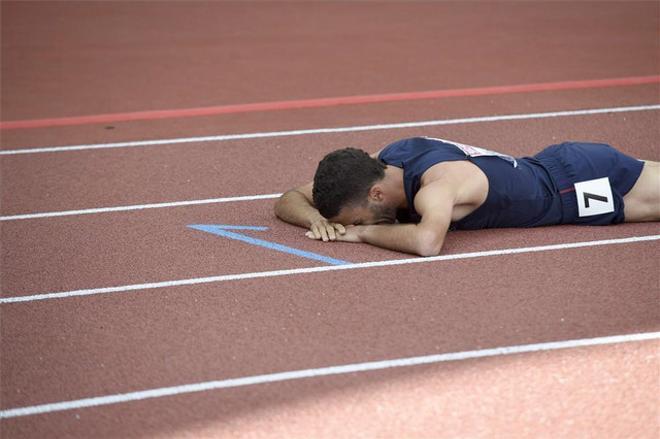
point(277, 209)
point(282, 205)
point(427, 251)
point(429, 244)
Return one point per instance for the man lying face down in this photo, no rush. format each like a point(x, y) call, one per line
point(407, 196)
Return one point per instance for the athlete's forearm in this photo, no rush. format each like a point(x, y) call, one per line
point(294, 208)
point(408, 238)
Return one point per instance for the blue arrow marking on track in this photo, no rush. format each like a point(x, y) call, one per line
point(223, 230)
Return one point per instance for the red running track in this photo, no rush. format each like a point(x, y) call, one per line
point(327, 102)
point(59, 349)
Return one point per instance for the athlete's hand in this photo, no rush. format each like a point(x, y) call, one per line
point(350, 234)
point(325, 230)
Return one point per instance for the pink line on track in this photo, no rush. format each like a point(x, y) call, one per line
point(326, 102)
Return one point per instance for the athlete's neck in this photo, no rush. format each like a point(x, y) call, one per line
point(394, 183)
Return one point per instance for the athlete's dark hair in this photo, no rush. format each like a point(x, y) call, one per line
point(344, 177)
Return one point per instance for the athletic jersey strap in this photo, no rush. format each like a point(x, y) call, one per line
point(476, 151)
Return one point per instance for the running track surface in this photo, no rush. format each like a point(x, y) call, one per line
point(73, 60)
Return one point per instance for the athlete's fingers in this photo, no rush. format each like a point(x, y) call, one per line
point(331, 232)
point(324, 234)
point(340, 228)
point(310, 235)
point(316, 231)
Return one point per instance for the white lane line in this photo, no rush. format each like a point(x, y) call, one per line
point(332, 130)
point(323, 371)
point(137, 207)
point(295, 271)
point(272, 134)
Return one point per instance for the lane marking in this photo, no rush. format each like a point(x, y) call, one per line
point(225, 137)
point(296, 271)
point(322, 372)
point(223, 230)
point(326, 102)
point(138, 207)
point(87, 211)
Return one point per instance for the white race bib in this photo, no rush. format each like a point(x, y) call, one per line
point(475, 151)
point(594, 197)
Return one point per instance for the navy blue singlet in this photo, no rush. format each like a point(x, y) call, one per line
point(536, 191)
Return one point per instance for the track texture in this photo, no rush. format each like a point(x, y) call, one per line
point(81, 59)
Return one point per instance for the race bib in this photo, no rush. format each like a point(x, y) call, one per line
point(475, 151)
point(594, 197)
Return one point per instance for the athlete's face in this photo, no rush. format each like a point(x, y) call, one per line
point(370, 213)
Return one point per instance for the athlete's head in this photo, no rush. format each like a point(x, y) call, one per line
point(349, 189)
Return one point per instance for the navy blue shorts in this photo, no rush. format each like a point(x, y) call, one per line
point(570, 163)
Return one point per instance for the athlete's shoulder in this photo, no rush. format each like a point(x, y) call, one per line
point(406, 146)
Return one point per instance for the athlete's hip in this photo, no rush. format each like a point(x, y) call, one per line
point(591, 180)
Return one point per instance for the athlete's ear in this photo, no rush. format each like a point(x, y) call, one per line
point(376, 192)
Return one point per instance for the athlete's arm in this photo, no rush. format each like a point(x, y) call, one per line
point(435, 203)
point(296, 207)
